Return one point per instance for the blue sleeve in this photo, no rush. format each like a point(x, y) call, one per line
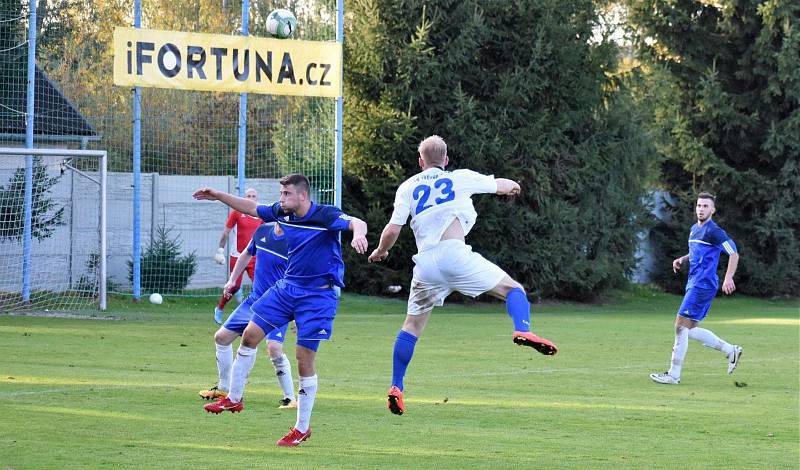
point(251, 247)
point(721, 239)
point(333, 218)
point(269, 213)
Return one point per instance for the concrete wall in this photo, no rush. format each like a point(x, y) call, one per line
point(59, 260)
point(645, 249)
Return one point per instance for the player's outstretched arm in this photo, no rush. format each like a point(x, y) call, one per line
point(728, 286)
point(243, 205)
point(359, 229)
point(388, 238)
point(506, 187)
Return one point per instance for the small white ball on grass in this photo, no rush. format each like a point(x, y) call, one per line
point(155, 298)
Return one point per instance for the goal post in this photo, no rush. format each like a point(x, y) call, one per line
point(52, 230)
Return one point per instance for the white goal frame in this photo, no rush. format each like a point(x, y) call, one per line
point(102, 157)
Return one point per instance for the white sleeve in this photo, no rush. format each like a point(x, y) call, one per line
point(402, 207)
point(476, 183)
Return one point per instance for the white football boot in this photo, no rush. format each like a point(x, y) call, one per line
point(665, 378)
point(734, 358)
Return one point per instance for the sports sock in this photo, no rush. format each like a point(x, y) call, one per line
point(226, 296)
point(245, 359)
point(403, 351)
point(224, 363)
point(710, 340)
point(305, 402)
point(519, 309)
point(679, 351)
point(283, 369)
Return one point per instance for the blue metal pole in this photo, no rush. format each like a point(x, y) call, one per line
point(337, 175)
point(137, 173)
point(29, 110)
point(242, 146)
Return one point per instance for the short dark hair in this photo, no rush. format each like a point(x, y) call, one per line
point(707, 195)
point(297, 180)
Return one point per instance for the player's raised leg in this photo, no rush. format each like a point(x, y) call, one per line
point(519, 309)
point(710, 340)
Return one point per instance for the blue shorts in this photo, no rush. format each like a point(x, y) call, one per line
point(696, 303)
point(240, 317)
point(312, 310)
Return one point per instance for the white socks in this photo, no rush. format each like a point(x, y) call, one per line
point(224, 363)
point(305, 403)
point(710, 340)
point(245, 359)
point(283, 369)
point(679, 351)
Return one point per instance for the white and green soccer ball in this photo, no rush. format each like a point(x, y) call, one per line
point(281, 23)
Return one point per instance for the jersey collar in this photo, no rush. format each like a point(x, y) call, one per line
point(311, 210)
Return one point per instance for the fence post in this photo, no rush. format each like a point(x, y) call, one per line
point(337, 175)
point(242, 145)
point(29, 110)
point(137, 173)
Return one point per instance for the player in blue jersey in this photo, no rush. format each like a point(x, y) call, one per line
point(439, 203)
point(268, 248)
point(706, 241)
point(306, 294)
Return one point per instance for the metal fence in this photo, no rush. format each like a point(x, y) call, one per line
point(66, 99)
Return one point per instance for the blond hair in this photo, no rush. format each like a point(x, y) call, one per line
point(433, 150)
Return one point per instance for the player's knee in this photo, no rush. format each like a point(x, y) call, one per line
point(506, 285)
point(414, 324)
point(275, 348)
point(305, 353)
point(224, 337)
point(251, 338)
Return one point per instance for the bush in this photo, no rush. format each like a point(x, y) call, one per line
point(163, 268)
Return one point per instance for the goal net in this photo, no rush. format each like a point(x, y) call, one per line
point(52, 230)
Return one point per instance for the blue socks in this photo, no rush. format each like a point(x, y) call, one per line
point(403, 350)
point(519, 309)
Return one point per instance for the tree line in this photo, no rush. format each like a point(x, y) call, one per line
point(591, 105)
point(591, 116)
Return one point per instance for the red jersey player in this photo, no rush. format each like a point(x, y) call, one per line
point(245, 227)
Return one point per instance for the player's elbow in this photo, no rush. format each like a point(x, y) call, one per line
point(504, 186)
point(392, 230)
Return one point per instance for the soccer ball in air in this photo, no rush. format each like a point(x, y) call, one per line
point(281, 23)
point(156, 298)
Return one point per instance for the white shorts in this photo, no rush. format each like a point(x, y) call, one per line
point(449, 266)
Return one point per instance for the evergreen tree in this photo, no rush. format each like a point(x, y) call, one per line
point(46, 215)
point(725, 87)
point(518, 90)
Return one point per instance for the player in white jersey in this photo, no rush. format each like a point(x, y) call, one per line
point(440, 205)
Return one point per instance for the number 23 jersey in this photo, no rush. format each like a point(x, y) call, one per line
point(434, 198)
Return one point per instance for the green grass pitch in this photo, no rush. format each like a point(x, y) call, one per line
point(123, 393)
